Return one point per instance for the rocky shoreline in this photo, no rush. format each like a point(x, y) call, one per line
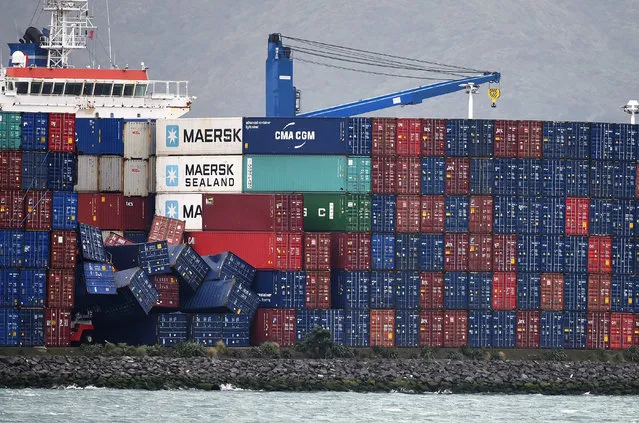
point(359, 375)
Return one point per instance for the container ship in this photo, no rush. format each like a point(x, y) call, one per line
point(122, 220)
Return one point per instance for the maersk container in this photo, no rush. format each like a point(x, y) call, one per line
point(482, 138)
point(433, 175)
point(482, 176)
point(528, 291)
point(356, 327)
point(552, 249)
point(431, 253)
point(504, 329)
point(359, 135)
point(209, 329)
point(578, 140)
point(407, 251)
point(407, 328)
point(139, 139)
point(553, 216)
point(480, 291)
point(577, 178)
point(554, 140)
point(99, 136)
point(11, 248)
point(199, 174)
point(383, 210)
point(187, 265)
point(602, 140)
point(35, 131)
point(36, 249)
point(88, 170)
point(92, 243)
point(602, 179)
point(624, 180)
point(9, 327)
point(623, 256)
point(625, 142)
point(433, 137)
point(184, 207)
point(331, 320)
point(553, 178)
point(575, 329)
point(529, 215)
point(407, 290)
point(61, 174)
point(528, 253)
point(65, 211)
point(98, 278)
point(480, 324)
point(152, 174)
point(11, 170)
point(9, 288)
point(280, 289)
point(382, 251)
point(227, 265)
point(624, 218)
point(457, 214)
point(433, 214)
point(506, 176)
point(10, 130)
point(135, 178)
point(382, 289)
point(456, 291)
point(334, 212)
point(31, 327)
point(350, 290)
point(458, 135)
point(552, 329)
point(34, 170)
point(575, 291)
point(198, 136)
point(225, 295)
point(110, 174)
point(622, 293)
point(530, 177)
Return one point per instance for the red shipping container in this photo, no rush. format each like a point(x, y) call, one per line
point(600, 254)
point(552, 291)
point(409, 175)
point(431, 328)
point(351, 251)
point(11, 209)
point(635, 332)
point(113, 240)
point(506, 143)
point(431, 291)
point(599, 287)
point(505, 253)
point(384, 175)
point(598, 337)
point(433, 137)
point(62, 132)
point(504, 291)
point(57, 332)
point(61, 288)
point(622, 327)
point(169, 290)
point(274, 325)
point(530, 138)
point(433, 219)
point(10, 169)
point(253, 212)
point(480, 219)
point(528, 329)
point(38, 212)
point(409, 137)
point(165, 228)
point(384, 136)
point(318, 289)
point(456, 252)
point(408, 213)
point(63, 249)
point(480, 253)
point(317, 251)
point(382, 328)
point(577, 216)
point(457, 175)
point(455, 328)
point(138, 212)
point(262, 250)
point(102, 210)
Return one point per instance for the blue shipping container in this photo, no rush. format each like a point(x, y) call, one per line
point(35, 131)
point(383, 213)
point(455, 291)
point(36, 249)
point(100, 136)
point(34, 170)
point(575, 329)
point(480, 291)
point(9, 287)
point(360, 139)
point(382, 289)
point(578, 140)
point(228, 295)
point(553, 216)
point(188, 266)
point(407, 290)
point(506, 215)
point(624, 180)
point(332, 320)
point(406, 328)
point(227, 265)
point(91, 243)
point(350, 290)
point(457, 209)
point(382, 251)
point(576, 291)
point(601, 179)
point(554, 140)
point(479, 328)
point(165, 329)
point(33, 287)
point(61, 174)
point(9, 327)
point(154, 258)
point(622, 292)
point(529, 253)
point(529, 215)
point(528, 291)
point(553, 178)
point(504, 329)
point(231, 329)
point(577, 178)
point(356, 328)
point(553, 252)
point(530, 176)
point(431, 253)
point(482, 138)
point(136, 288)
point(136, 237)
point(576, 259)
point(433, 175)
point(99, 278)
point(277, 289)
point(31, 327)
point(600, 216)
point(625, 142)
point(506, 176)
point(624, 218)
point(552, 329)
point(482, 176)
point(623, 256)
point(65, 211)
point(407, 254)
point(602, 141)
point(457, 137)
point(11, 248)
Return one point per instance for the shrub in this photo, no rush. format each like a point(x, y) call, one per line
point(383, 352)
point(455, 355)
point(188, 349)
point(270, 350)
point(555, 355)
point(427, 354)
point(319, 344)
point(632, 354)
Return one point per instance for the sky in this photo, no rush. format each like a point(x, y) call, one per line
point(559, 60)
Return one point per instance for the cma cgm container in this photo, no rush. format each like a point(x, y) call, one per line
point(382, 289)
point(31, 327)
point(231, 329)
point(9, 327)
point(34, 170)
point(11, 248)
point(359, 134)
point(482, 175)
point(199, 173)
point(406, 328)
point(197, 137)
point(183, 207)
point(407, 251)
point(33, 286)
point(481, 142)
point(457, 137)
point(36, 249)
point(274, 325)
point(227, 265)
point(61, 173)
point(336, 212)
point(9, 287)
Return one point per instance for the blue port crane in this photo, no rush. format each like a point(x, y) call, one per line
point(283, 99)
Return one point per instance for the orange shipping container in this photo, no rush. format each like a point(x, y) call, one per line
point(622, 327)
point(382, 328)
point(552, 291)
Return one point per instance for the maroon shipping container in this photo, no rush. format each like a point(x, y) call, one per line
point(431, 328)
point(409, 175)
point(12, 209)
point(622, 326)
point(408, 213)
point(431, 291)
point(409, 137)
point(506, 143)
point(113, 240)
point(455, 328)
point(10, 169)
point(63, 249)
point(480, 219)
point(457, 175)
point(351, 251)
point(165, 228)
point(57, 331)
point(318, 289)
point(529, 138)
point(598, 330)
point(253, 212)
point(138, 212)
point(61, 288)
point(384, 174)
point(102, 210)
point(317, 251)
point(433, 137)
point(38, 210)
point(577, 216)
point(274, 325)
point(600, 254)
point(505, 253)
point(62, 132)
point(169, 290)
point(528, 329)
point(480, 253)
point(382, 328)
point(504, 291)
point(552, 291)
point(456, 252)
point(599, 286)
point(433, 219)
point(384, 136)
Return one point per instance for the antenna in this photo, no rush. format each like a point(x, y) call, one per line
point(632, 108)
point(109, 33)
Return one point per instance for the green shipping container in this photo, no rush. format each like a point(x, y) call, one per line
point(10, 130)
point(337, 213)
point(282, 173)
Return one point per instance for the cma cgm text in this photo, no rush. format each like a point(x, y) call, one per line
point(295, 135)
point(213, 135)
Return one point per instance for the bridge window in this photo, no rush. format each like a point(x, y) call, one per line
point(73, 88)
point(117, 90)
point(140, 90)
point(102, 89)
point(22, 87)
point(58, 88)
point(47, 87)
point(36, 86)
point(128, 90)
point(88, 88)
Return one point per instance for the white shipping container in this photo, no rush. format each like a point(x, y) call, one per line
point(139, 139)
point(200, 136)
point(110, 178)
point(186, 207)
point(152, 161)
point(199, 174)
point(136, 178)
point(87, 174)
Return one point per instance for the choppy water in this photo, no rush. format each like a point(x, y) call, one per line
point(108, 405)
